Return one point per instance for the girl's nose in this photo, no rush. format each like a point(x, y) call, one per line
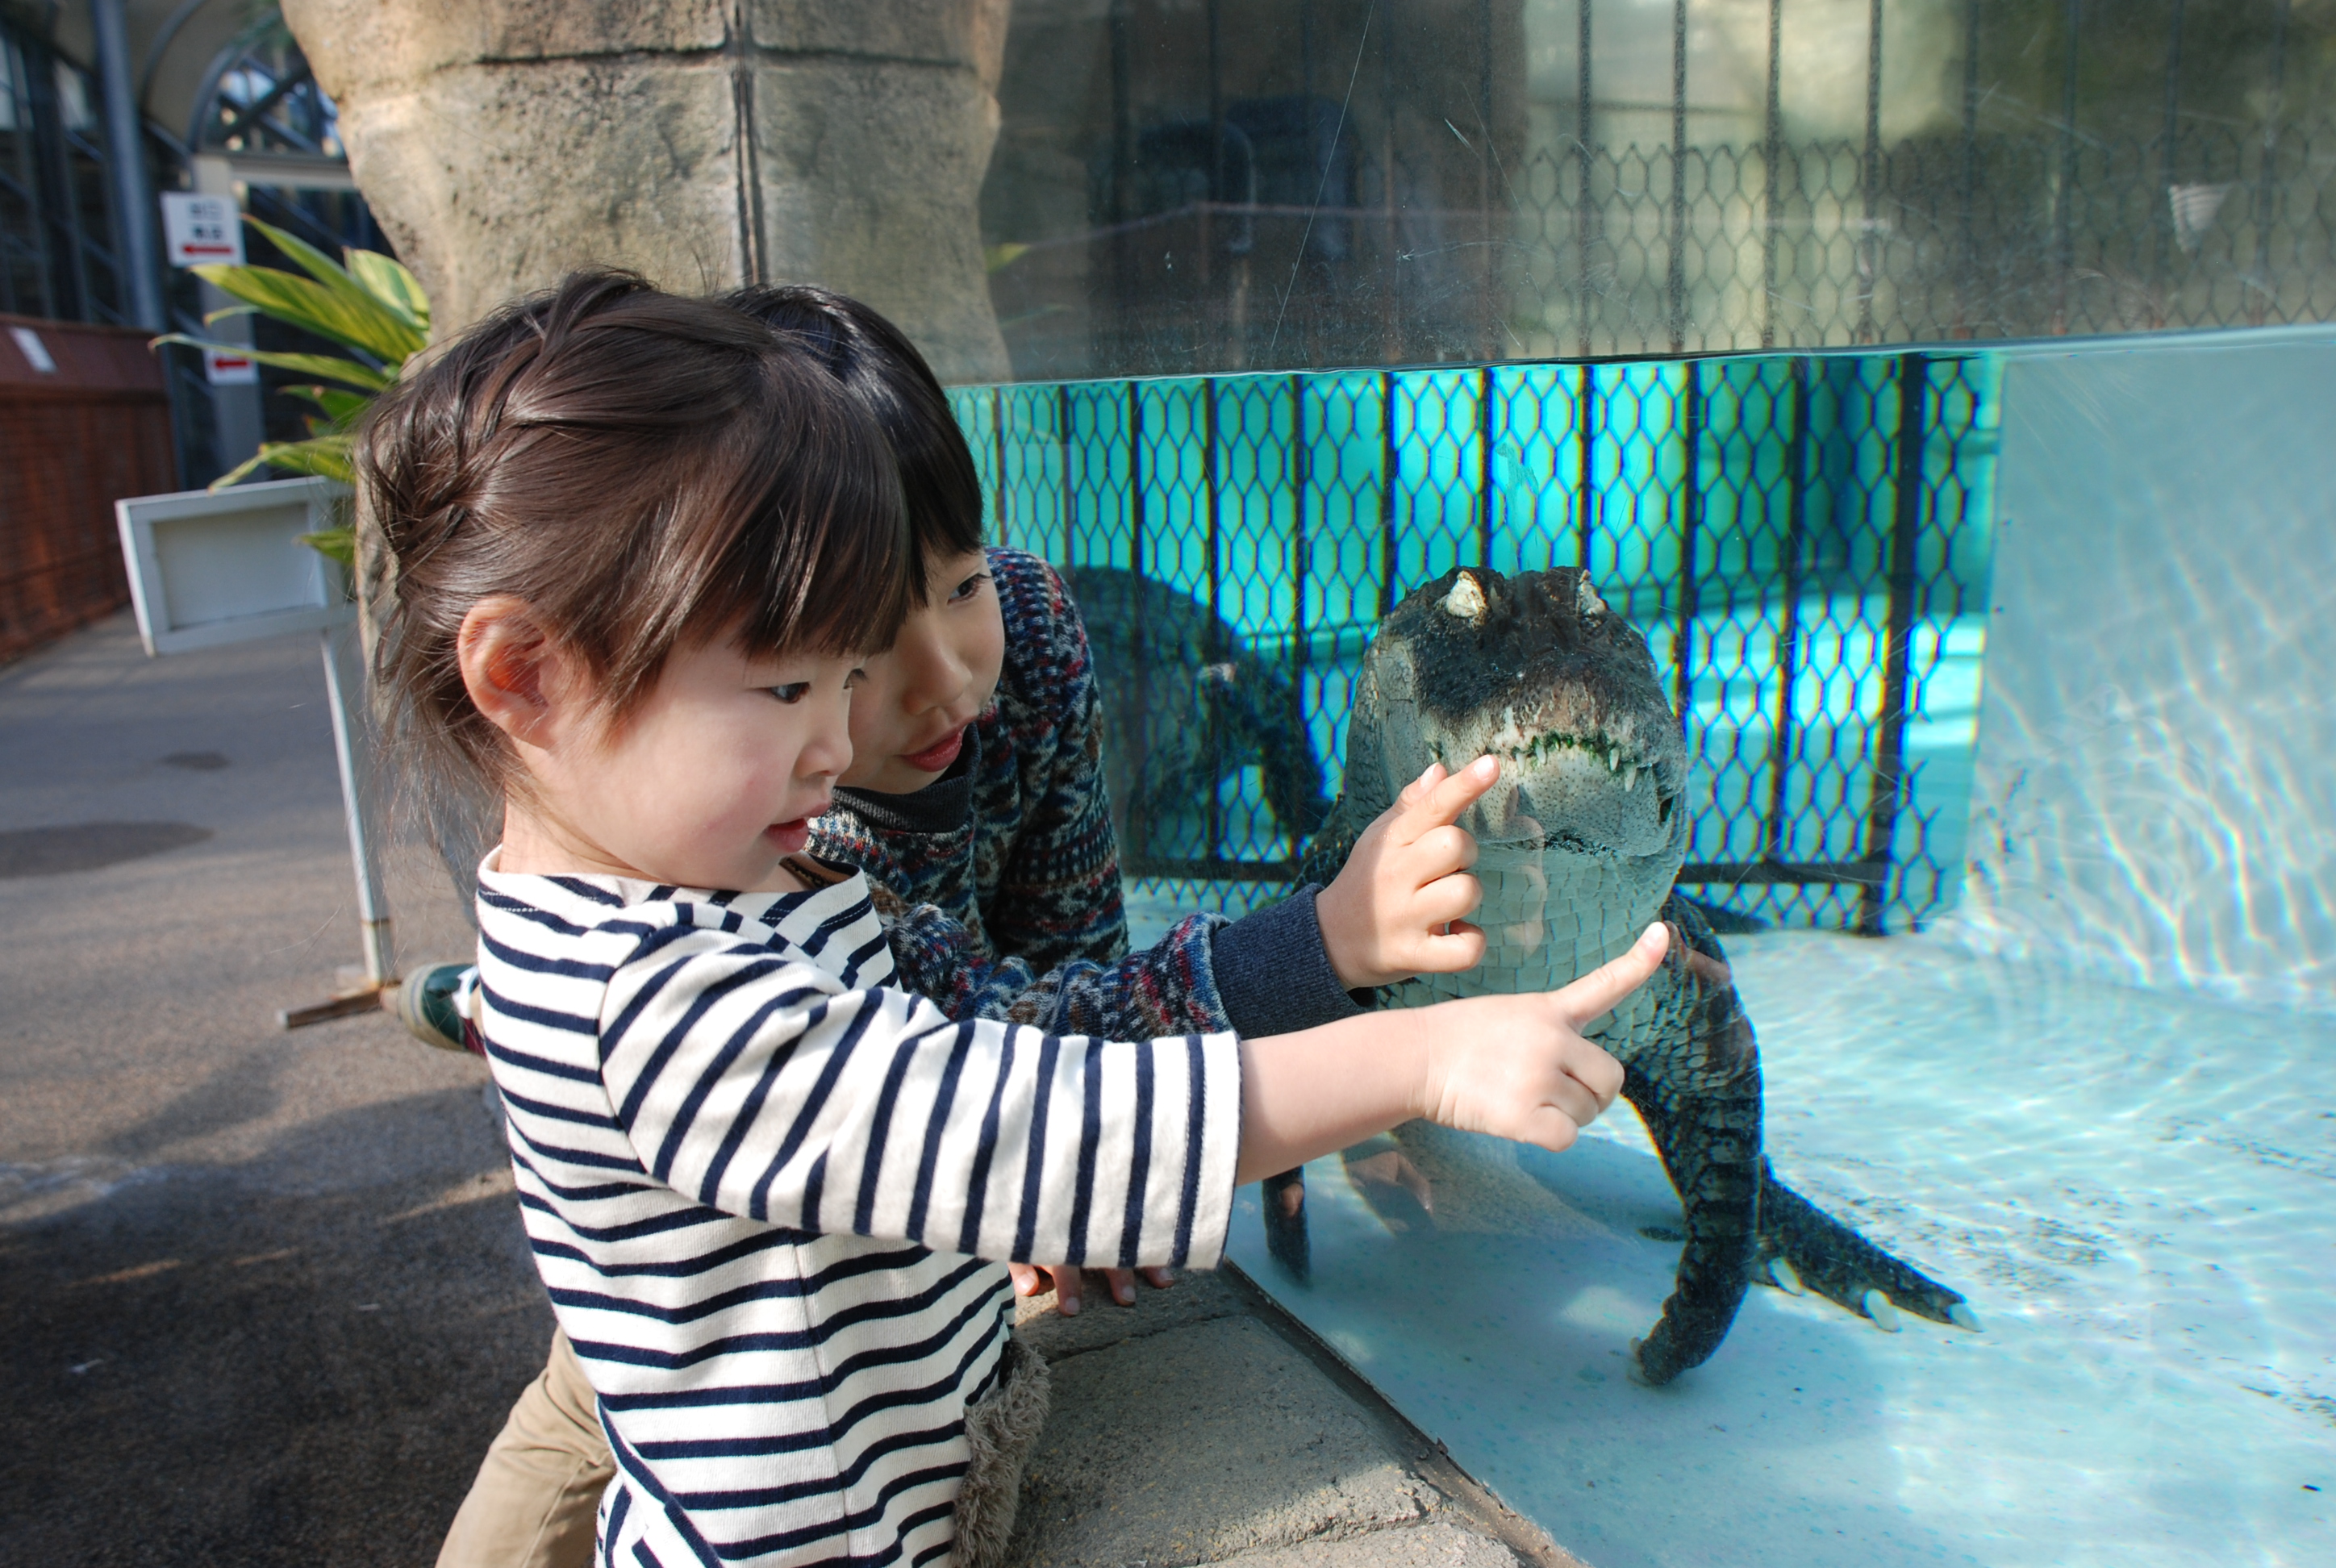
point(936, 676)
point(829, 749)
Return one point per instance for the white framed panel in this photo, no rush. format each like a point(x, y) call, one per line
point(208, 568)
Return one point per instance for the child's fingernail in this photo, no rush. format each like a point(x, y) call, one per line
point(1485, 767)
point(1068, 1306)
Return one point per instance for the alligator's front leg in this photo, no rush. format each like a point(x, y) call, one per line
point(1694, 1078)
point(1836, 1262)
point(1710, 1145)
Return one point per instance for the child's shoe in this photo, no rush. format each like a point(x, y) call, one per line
point(431, 1003)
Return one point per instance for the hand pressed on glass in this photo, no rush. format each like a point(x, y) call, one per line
point(1517, 1067)
point(1399, 906)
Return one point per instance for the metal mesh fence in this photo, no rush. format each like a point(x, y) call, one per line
point(1587, 251)
point(1803, 539)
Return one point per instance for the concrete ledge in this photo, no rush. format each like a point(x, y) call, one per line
point(1201, 1424)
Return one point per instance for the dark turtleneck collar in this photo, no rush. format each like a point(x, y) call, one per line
point(942, 806)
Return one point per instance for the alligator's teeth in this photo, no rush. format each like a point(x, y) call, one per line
point(1882, 1310)
point(1630, 777)
point(1613, 758)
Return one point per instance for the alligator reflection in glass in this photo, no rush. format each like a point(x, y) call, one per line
point(1576, 859)
point(1187, 697)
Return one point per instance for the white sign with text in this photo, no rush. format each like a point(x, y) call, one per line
point(202, 228)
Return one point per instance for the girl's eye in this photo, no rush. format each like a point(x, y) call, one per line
point(792, 692)
point(970, 587)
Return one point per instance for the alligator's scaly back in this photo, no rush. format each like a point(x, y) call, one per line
point(1578, 845)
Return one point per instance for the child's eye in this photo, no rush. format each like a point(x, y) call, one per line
point(970, 587)
point(792, 692)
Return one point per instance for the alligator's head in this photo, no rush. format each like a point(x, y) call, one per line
point(1538, 671)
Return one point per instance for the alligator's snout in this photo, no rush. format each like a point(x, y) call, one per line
point(1539, 671)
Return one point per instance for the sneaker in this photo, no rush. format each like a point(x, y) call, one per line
point(431, 1000)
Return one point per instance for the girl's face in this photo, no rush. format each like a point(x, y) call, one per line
point(710, 782)
point(909, 714)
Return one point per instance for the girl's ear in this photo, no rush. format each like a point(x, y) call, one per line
point(512, 670)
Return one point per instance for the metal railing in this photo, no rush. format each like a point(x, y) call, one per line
point(1803, 539)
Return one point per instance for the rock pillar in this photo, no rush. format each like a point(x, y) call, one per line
point(706, 143)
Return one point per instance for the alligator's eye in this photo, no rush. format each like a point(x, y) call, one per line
point(1663, 810)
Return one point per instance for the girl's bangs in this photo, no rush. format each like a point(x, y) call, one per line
point(825, 562)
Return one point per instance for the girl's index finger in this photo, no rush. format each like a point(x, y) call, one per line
point(1597, 992)
point(1441, 804)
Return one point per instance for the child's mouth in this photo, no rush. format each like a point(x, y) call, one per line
point(789, 838)
point(938, 758)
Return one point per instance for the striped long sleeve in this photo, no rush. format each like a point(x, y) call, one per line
point(756, 1084)
point(760, 1186)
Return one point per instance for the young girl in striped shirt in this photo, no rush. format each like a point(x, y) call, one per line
point(640, 546)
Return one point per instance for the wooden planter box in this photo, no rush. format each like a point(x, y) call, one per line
point(73, 441)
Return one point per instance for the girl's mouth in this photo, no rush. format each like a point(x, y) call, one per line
point(937, 759)
point(789, 838)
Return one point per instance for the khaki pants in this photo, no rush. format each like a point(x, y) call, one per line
point(538, 1495)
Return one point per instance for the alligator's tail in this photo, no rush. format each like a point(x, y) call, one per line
point(1826, 1256)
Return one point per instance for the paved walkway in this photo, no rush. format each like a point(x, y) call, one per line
point(263, 1296)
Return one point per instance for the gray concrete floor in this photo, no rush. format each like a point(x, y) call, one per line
point(263, 1297)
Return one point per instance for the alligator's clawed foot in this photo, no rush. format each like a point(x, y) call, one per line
point(1285, 1223)
point(1803, 1248)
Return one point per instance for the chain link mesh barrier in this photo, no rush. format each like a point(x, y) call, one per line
point(1803, 539)
point(1603, 250)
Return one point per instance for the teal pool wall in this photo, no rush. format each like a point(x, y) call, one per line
point(1775, 524)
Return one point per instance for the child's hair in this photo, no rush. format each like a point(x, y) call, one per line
point(646, 472)
point(879, 365)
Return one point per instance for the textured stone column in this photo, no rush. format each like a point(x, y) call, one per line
point(706, 143)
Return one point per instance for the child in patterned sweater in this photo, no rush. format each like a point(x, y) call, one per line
point(653, 1012)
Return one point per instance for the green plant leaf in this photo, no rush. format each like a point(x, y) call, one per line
point(368, 279)
point(334, 544)
point(342, 408)
point(346, 315)
point(305, 255)
point(326, 456)
point(343, 370)
point(387, 279)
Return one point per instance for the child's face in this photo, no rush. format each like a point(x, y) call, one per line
point(712, 781)
point(909, 717)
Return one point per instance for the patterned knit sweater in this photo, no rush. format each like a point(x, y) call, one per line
point(1004, 875)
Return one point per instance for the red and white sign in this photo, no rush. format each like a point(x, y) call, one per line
point(202, 228)
point(230, 369)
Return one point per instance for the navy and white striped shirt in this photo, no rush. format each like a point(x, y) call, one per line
point(762, 1190)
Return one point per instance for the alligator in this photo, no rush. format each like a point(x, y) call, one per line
point(1578, 845)
point(1186, 704)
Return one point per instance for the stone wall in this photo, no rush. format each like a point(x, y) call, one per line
point(706, 143)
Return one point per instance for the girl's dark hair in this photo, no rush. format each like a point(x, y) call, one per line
point(646, 472)
point(879, 365)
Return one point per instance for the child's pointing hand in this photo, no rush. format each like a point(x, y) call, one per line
point(1398, 907)
point(1518, 1067)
